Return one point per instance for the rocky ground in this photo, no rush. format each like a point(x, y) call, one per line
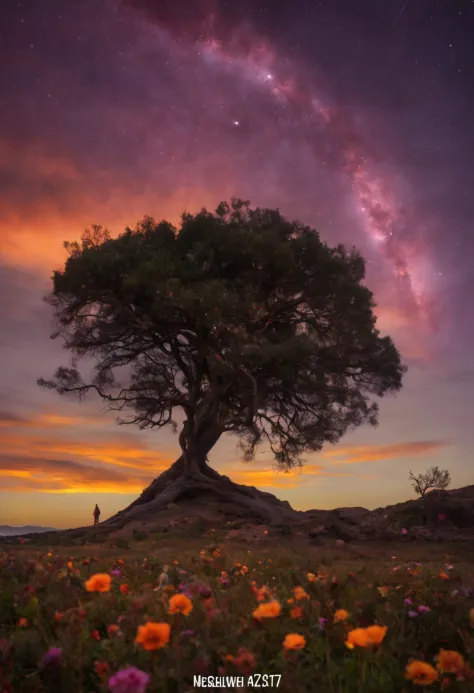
point(443, 516)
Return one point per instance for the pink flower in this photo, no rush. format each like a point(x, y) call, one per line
point(407, 601)
point(404, 531)
point(424, 609)
point(53, 656)
point(130, 680)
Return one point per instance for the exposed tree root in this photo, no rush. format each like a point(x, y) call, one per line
point(205, 484)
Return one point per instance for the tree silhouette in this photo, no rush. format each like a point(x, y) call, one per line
point(239, 322)
point(433, 478)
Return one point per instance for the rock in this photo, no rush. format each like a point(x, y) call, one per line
point(346, 532)
point(352, 516)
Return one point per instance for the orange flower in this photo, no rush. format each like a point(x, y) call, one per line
point(180, 604)
point(23, 622)
point(100, 582)
point(124, 588)
point(245, 661)
point(113, 629)
point(341, 615)
point(300, 594)
point(311, 577)
point(261, 593)
point(450, 662)
point(366, 637)
point(267, 610)
point(244, 570)
point(297, 612)
point(421, 673)
point(444, 576)
point(375, 634)
point(70, 565)
point(153, 636)
point(58, 616)
point(357, 638)
point(294, 641)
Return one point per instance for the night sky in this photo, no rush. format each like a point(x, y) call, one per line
point(352, 116)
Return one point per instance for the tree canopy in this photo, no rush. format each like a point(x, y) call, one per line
point(245, 322)
point(433, 478)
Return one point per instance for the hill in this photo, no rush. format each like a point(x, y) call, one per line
point(8, 531)
point(441, 516)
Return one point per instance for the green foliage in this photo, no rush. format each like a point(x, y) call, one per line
point(246, 322)
point(140, 535)
point(122, 543)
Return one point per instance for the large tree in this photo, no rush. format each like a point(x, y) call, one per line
point(239, 322)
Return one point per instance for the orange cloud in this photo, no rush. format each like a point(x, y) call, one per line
point(269, 477)
point(379, 453)
point(66, 476)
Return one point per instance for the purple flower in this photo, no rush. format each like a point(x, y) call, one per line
point(116, 573)
point(407, 601)
point(424, 609)
point(188, 590)
point(188, 633)
point(413, 614)
point(53, 656)
point(130, 680)
point(322, 623)
point(205, 592)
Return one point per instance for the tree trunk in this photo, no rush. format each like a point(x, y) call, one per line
point(187, 480)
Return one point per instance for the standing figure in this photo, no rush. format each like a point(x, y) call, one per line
point(96, 514)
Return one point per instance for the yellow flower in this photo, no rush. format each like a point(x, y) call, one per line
point(100, 582)
point(267, 610)
point(356, 638)
point(180, 603)
point(311, 577)
point(294, 641)
point(375, 634)
point(421, 673)
point(341, 615)
point(300, 594)
point(153, 636)
point(450, 662)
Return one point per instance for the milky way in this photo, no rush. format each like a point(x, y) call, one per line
point(248, 57)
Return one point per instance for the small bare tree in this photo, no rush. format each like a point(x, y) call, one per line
point(433, 478)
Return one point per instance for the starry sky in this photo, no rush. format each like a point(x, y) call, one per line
point(353, 117)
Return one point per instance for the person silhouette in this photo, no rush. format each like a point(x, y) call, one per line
point(96, 514)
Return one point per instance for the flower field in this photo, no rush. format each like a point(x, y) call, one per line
point(150, 618)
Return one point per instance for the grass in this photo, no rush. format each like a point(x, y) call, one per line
point(44, 603)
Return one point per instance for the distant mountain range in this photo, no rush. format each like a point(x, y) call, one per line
point(7, 531)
